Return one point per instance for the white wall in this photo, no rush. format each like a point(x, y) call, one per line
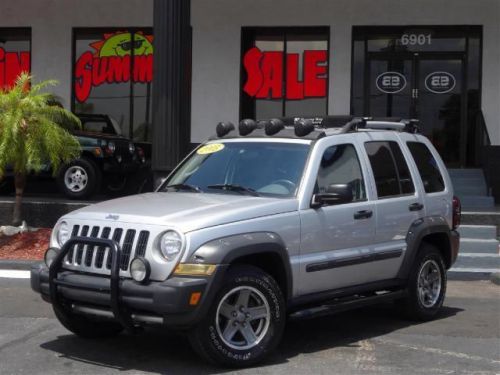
point(52, 21)
point(216, 41)
point(217, 32)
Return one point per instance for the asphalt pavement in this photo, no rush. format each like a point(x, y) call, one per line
point(465, 339)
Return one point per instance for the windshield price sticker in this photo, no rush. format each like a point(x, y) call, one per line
point(210, 149)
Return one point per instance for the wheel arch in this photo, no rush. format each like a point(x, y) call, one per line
point(265, 250)
point(433, 230)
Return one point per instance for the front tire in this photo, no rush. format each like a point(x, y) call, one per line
point(79, 179)
point(245, 322)
point(426, 285)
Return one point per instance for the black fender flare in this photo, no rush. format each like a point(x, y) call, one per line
point(418, 230)
point(226, 250)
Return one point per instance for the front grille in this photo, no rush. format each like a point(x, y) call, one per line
point(99, 257)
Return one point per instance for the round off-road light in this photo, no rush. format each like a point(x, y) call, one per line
point(50, 255)
point(140, 269)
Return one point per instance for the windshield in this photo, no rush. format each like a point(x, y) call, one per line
point(259, 168)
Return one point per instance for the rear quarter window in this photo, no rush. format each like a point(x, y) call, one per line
point(427, 166)
point(391, 173)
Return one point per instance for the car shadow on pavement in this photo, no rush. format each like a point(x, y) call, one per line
point(161, 351)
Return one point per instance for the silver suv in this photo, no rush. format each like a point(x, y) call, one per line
point(271, 220)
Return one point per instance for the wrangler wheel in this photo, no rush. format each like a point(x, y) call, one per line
point(245, 322)
point(426, 284)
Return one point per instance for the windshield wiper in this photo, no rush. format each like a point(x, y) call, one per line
point(231, 187)
point(185, 187)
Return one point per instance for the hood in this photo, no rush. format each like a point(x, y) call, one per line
point(185, 211)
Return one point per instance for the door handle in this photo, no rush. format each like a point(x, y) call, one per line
point(415, 206)
point(365, 214)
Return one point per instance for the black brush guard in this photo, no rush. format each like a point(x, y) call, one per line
point(119, 312)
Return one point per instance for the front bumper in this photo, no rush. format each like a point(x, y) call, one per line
point(123, 300)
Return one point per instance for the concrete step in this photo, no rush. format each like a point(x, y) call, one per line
point(478, 261)
point(476, 201)
point(463, 190)
point(469, 172)
point(484, 232)
point(474, 245)
point(461, 181)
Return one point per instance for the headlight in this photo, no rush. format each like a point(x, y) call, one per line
point(131, 148)
point(170, 244)
point(140, 269)
point(111, 147)
point(50, 255)
point(63, 233)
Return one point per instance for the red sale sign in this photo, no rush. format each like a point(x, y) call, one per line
point(12, 64)
point(265, 74)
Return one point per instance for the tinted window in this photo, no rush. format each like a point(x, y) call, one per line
point(284, 72)
point(392, 176)
point(340, 165)
point(97, 126)
point(15, 54)
point(113, 73)
point(427, 167)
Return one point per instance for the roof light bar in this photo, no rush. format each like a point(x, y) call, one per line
point(247, 126)
point(303, 127)
point(223, 128)
point(274, 126)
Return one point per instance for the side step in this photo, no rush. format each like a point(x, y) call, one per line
point(348, 303)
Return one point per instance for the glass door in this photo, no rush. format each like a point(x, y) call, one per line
point(425, 86)
point(389, 90)
point(440, 105)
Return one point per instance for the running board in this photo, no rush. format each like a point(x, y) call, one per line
point(345, 304)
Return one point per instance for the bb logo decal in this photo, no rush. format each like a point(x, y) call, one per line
point(440, 82)
point(390, 82)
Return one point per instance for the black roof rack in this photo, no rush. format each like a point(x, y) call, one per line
point(312, 128)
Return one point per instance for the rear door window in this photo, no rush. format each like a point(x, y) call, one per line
point(390, 170)
point(427, 166)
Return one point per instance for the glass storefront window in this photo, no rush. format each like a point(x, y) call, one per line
point(113, 71)
point(429, 73)
point(15, 54)
point(284, 72)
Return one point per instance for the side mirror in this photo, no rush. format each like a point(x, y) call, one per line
point(335, 194)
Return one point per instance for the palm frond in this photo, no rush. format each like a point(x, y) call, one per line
point(33, 130)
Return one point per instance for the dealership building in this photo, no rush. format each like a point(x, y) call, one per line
point(169, 70)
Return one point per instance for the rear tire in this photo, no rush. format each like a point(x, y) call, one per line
point(86, 328)
point(426, 285)
point(245, 322)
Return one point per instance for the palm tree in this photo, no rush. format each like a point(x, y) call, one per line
point(32, 133)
